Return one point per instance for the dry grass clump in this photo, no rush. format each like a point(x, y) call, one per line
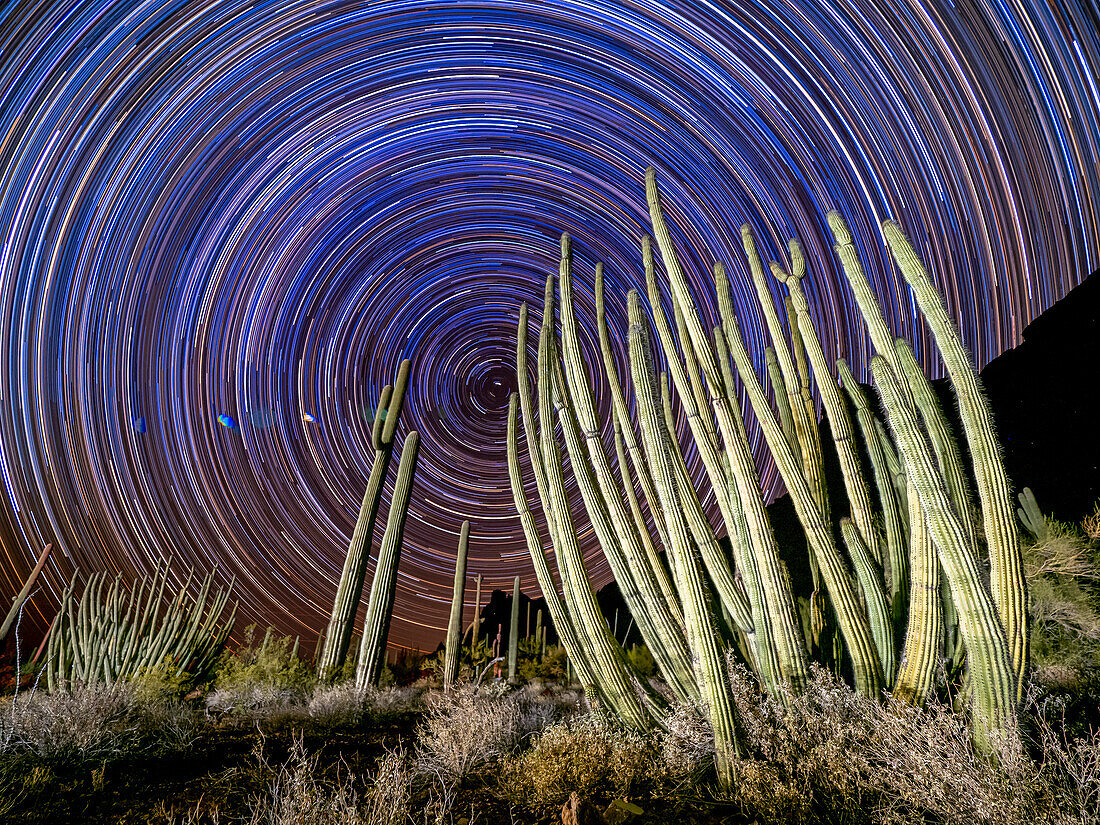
point(345, 705)
point(831, 755)
point(687, 744)
point(298, 797)
point(389, 798)
point(92, 723)
point(254, 702)
point(589, 755)
point(471, 728)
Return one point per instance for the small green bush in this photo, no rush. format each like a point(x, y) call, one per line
point(162, 683)
point(642, 661)
point(588, 755)
point(272, 662)
point(1063, 572)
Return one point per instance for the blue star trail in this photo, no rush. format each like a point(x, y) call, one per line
point(224, 224)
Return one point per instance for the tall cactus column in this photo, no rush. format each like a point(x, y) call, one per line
point(376, 626)
point(513, 634)
point(350, 591)
point(454, 626)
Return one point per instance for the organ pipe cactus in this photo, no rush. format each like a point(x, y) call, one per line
point(1009, 587)
point(376, 624)
point(112, 632)
point(350, 589)
point(908, 516)
point(454, 625)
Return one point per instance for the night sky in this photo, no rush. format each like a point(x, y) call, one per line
point(224, 224)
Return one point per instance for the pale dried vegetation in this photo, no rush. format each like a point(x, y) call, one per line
point(471, 727)
point(298, 797)
point(89, 724)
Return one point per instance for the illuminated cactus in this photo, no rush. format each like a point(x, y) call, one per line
point(376, 624)
point(454, 626)
point(350, 590)
point(513, 633)
point(112, 634)
point(885, 576)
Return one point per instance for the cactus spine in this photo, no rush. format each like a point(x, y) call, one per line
point(376, 624)
point(454, 626)
point(350, 590)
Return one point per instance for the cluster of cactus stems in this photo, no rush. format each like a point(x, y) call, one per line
point(897, 580)
point(349, 593)
point(111, 633)
point(454, 626)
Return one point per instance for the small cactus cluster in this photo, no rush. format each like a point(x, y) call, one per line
point(112, 633)
point(337, 638)
point(897, 580)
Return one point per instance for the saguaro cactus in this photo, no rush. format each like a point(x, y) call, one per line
point(513, 634)
point(454, 626)
point(350, 590)
point(376, 625)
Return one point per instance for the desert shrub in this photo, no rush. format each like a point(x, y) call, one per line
point(389, 796)
point(687, 744)
point(347, 705)
point(163, 683)
point(92, 724)
point(1063, 571)
point(298, 797)
point(830, 755)
point(470, 728)
point(255, 702)
point(589, 755)
point(269, 662)
point(261, 678)
point(549, 667)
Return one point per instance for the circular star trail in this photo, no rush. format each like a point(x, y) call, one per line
point(224, 224)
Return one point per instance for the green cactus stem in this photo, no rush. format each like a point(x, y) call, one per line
point(710, 669)
point(350, 589)
point(376, 624)
point(513, 633)
point(1002, 537)
point(454, 626)
point(990, 673)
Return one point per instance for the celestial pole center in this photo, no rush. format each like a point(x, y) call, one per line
point(224, 223)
